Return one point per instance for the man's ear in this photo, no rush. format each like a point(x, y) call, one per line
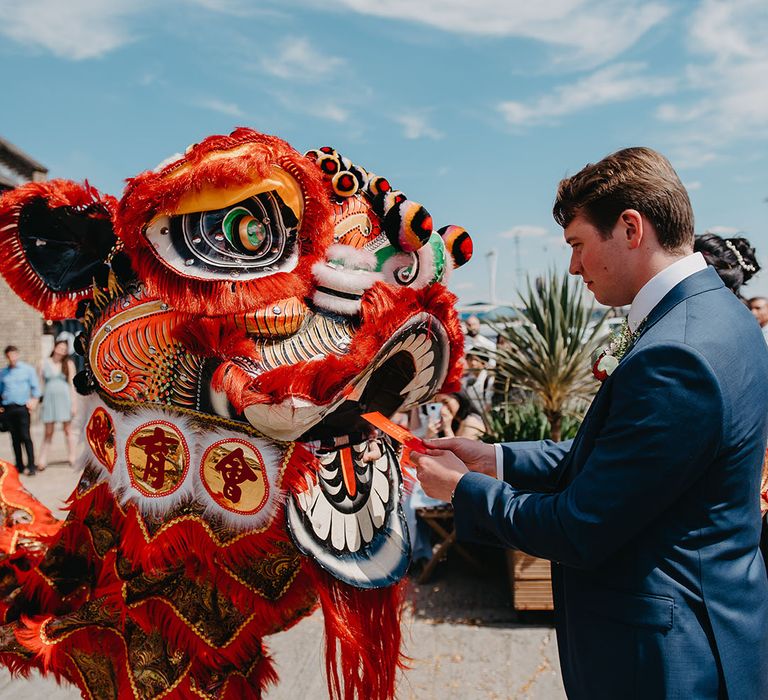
point(55, 236)
point(630, 225)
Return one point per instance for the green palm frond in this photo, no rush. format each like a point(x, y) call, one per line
point(551, 347)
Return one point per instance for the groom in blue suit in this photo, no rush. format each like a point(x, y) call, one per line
point(650, 516)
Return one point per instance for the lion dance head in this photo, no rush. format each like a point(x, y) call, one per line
point(243, 306)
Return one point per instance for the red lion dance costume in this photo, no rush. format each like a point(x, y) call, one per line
point(243, 306)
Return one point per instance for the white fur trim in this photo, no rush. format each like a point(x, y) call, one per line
point(328, 302)
point(359, 258)
point(344, 279)
point(199, 437)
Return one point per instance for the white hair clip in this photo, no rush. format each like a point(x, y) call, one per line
point(740, 258)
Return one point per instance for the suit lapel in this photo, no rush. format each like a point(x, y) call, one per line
point(702, 281)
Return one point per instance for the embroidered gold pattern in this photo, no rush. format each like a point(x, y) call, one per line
point(271, 575)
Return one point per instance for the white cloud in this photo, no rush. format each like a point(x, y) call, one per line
point(596, 30)
point(726, 97)
point(237, 8)
point(416, 126)
point(692, 186)
point(615, 83)
point(220, 106)
point(524, 231)
point(83, 29)
point(297, 59)
point(461, 286)
point(77, 29)
point(331, 111)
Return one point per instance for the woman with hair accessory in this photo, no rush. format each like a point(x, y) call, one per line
point(734, 259)
point(58, 400)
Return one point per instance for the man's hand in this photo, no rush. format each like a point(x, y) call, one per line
point(477, 456)
point(31, 404)
point(439, 471)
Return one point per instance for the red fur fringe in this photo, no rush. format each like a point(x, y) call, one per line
point(212, 337)
point(14, 265)
point(362, 638)
point(362, 627)
point(156, 613)
point(237, 384)
point(153, 193)
point(54, 658)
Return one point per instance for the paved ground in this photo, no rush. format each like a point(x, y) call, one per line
point(461, 632)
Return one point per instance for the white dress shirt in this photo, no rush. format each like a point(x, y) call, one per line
point(652, 292)
point(656, 288)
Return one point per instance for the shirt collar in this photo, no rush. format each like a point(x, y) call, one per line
point(656, 288)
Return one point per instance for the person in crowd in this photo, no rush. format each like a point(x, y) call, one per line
point(20, 392)
point(734, 259)
point(58, 400)
point(759, 308)
point(457, 418)
point(650, 514)
point(477, 382)
point(474, 340)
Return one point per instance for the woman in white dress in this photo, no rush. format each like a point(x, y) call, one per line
point(58, 400)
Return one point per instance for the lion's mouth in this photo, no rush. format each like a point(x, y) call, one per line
point(407, 370)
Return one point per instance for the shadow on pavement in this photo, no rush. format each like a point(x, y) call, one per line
point(459, 594)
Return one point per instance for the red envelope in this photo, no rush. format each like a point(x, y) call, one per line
point(396, 432)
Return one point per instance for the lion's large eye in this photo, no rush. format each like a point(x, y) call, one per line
point(248, 239)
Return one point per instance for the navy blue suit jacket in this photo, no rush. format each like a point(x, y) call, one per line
point(651, 514)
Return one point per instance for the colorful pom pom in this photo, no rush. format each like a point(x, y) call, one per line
point(329, 164)
point(345, 184)
point(458, 243)
point(361, 175)
point(378, 185)
point(408, 225)
point(383, 202)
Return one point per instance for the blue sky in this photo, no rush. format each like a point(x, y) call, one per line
point(475, 109)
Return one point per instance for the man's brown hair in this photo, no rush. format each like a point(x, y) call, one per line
point(633, 178)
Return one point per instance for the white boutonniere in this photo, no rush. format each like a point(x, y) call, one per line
point(609, 358)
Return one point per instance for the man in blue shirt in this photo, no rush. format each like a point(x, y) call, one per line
point(20, 391)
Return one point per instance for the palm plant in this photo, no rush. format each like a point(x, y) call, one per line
point(511, 421)
point(549, 353)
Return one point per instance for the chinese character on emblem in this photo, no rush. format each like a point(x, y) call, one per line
point(232, 472)
point(157, 457)
point(100, 434)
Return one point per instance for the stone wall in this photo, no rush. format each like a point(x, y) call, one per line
point(20, 325)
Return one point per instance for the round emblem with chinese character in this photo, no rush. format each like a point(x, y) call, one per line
point(232, 472)
point(157, 457)
point(100, 434)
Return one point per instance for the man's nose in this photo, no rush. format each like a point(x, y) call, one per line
point(575, 266)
